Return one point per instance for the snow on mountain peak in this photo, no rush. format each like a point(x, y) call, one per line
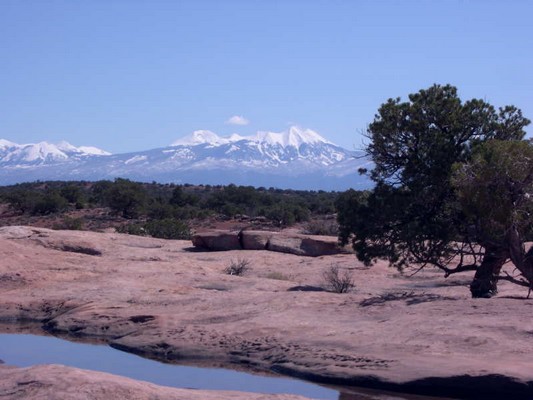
point(93, 151)
point(6, 143)
point(44, 152)
point(201, 137)
point(294, 136)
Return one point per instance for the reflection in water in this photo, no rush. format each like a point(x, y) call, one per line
point(24, 350)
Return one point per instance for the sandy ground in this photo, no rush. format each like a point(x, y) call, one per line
point(162, 299)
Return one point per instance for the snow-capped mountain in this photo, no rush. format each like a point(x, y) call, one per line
point(293, 137)
point(296, 158)
point(43, 153)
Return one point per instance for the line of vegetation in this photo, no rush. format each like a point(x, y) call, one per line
point(171, 205)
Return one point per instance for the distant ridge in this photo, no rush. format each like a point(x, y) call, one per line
point(296, 158)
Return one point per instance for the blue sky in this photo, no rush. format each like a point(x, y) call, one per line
point(132, 75)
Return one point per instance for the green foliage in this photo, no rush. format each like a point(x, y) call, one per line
point(494, 190)
point(99, 191)
point(49, 203)
point(69, 223)
point(181, 198)
point(168, 201)
point(72, 193)
point(126, 197)
point(162, 229)
point(350, 206)
point(168, 229)
point(160, 210)
point(21, 200)
point(413, 214)
point(322, 227)
point(133, 229)
point(286, 213)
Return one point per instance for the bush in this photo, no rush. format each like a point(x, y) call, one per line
point(72, 193)
point(158, 210)
point(126, 197)
point(337, 282)
point(49, 203)
point(286, 214)
point(322, 227)
point(168, 229)
point(238, 267)
point(21, 200)
point(69, 223)
point(161, 229)
point(132, 229)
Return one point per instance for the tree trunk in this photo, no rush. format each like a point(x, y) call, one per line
point(485, 282)
point(523, 261)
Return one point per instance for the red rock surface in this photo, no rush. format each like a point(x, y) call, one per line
point(64, 383)
point(158, 298)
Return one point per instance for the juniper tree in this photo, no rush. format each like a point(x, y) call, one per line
point(415, 213)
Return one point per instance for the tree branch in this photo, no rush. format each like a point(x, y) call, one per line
point(459, 268)
point(509, 278)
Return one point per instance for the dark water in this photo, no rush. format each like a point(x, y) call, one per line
point(25, 350)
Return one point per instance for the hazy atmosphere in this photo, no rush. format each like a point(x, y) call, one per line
point(133, 75)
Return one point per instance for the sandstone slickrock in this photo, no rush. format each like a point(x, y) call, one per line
point(66, 383)
point(156, 298)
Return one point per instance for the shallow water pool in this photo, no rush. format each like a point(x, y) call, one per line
point(25, 350)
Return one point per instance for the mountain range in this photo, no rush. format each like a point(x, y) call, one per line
point(296, 158)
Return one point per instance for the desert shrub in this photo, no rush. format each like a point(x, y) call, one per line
point(181, 198)
point(161, 229)
point(132, 229)
point(190, 212)
point(168, 229)
point(72, 193)
point(286, 214)
point(159, 210)
point(322, 227)
point(98, 192)
point(238, 267)
point(69, 223)
point(126, 197)
point(21, 200)
point(49, 203)
point(336, 281)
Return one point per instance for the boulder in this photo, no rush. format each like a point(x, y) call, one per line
point(255, 240)
point(217, 240)
point(310, 246)
point(301, 245)
point(315, 246)
point(286, 244)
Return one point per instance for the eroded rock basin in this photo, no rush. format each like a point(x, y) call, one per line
point(26, 350)
point(158, 299)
